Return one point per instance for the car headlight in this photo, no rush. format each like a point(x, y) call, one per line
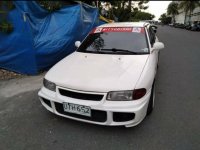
point(49, 85)
point(126, 95)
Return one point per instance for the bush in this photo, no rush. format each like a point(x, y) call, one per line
point(5, 7)
point(50, 6)
point(6, 27)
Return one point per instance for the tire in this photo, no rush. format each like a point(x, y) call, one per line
point(151, 100)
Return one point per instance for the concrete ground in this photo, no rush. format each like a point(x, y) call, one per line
point(173, 125)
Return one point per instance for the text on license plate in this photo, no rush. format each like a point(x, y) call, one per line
point(77, 109)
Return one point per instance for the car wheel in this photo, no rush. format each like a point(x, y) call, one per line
point(151, 100)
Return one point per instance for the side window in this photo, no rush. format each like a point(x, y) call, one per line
point(152, 36)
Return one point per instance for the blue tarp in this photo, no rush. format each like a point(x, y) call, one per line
point(40, 39)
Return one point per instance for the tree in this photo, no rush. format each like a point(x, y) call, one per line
point(123, 10)
point(165, 19)
point(92, 3)
point(52, 6)
point(139, 15)
point(5, 8)
point(172, 9)
point(188, 6)
point(116, 10)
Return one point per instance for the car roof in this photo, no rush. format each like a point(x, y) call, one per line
point(125, 24)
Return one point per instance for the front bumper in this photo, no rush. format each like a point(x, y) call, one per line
point(111, 113)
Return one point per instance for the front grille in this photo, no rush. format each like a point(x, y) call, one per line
point(81, 96)
point(122, 117)
point(96, 115)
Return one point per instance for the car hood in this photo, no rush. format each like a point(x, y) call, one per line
point(98, 72)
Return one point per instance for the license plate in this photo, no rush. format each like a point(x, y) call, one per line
point(77, 109)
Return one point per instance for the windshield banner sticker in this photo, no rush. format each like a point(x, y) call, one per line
point(119, 29)
point(97, 30)
point(138, 30)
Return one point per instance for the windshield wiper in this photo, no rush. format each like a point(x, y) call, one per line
point(95, 52)
point(119, 50)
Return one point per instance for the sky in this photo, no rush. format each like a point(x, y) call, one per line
point(157, 8)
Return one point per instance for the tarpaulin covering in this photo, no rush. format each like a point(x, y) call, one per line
point(40, 39)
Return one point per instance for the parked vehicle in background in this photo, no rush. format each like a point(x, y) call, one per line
point(182, 26)
point(198, 26)
point(176, 25)
point(109, 80)
point(153, 22)
point(188, 26)
point(179, 25)
point(195, 26)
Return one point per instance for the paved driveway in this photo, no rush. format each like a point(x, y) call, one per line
point(173, 125)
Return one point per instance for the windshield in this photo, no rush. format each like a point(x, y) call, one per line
point(116, 41)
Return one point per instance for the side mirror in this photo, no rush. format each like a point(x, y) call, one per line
point(154, 27)
point(77, 44)
point(158, 46)
point(155, 30)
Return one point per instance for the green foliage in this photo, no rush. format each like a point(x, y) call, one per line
point(165, 19)
point(139, 15)
point(125, 10)
point(6, 27)
point(7, 4)
point(5, 7)
point(172, 9)
point(50, 6)
point(189, 5)
point(92, 3)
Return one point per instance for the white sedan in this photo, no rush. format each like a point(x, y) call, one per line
point(109, 79)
